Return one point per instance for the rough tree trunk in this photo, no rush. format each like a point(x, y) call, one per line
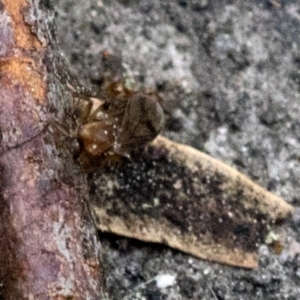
point(48, 245)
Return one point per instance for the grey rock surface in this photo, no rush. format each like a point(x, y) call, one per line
point(229, 73)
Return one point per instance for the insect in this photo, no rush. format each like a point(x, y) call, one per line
point(118, 121)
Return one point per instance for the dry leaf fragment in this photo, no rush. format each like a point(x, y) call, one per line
point(176, 195)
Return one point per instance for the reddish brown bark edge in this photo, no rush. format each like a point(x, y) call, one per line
point(9, 268)
point(48, 245)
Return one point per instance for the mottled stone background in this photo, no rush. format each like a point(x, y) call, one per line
point(229, 72)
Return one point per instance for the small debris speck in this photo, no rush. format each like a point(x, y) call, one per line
point(165, 280)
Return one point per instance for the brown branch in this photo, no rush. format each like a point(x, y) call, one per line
point(48, 246)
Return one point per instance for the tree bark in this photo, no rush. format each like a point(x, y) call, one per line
point(48, 244)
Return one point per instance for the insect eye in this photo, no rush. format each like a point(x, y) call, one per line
point(106, 105)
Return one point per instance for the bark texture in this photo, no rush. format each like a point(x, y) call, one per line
point(48, 244)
